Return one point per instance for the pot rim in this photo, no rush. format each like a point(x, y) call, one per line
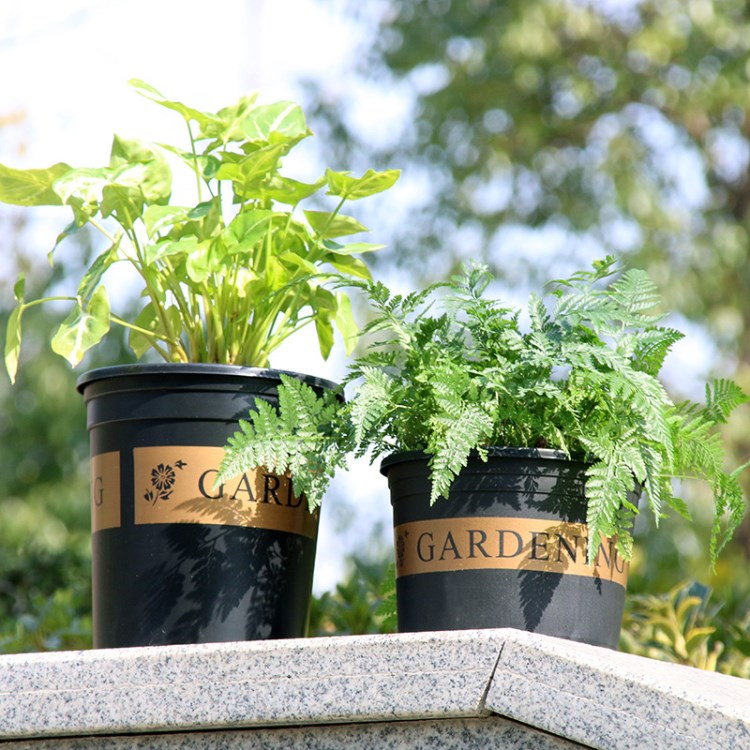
point(495, 451)
point(197, 368)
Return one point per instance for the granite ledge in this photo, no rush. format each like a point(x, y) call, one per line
point(248, 684)
point(566, 690)
point(607, 699)
point(456, 734)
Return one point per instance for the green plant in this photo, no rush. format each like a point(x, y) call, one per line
point(686, 626)
point(672, 627)
point(355, 606)
point(226, 279)
point(583, 378)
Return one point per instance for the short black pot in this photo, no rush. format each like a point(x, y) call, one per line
point(175, 560)
point(506, 550)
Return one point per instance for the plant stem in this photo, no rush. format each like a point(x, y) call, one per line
point(35, 302)
point(153, 337)
point(333, 215)
point(101, 229)
point(147, 274)
point(195, 162)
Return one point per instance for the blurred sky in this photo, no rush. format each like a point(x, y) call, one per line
point(66, 63)
point(64, 67)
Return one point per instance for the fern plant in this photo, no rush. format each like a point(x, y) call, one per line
point(451, 372)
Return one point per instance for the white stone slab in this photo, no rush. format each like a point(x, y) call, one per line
point(457, 734)
point(307, 681)
point(609, 700)
point(376, 689)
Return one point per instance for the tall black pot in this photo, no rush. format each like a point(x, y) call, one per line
point(506, 550)
point(175, 560)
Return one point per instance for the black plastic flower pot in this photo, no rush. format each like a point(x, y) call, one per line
point(175, 559)
point(506, 550)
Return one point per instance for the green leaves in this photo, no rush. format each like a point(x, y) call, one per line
point(722, 398)
point(13, 330)
point(345, 323)
point(343, 185)
point(142, 166)
point(84, 326)
point(301, 438)
point(189, 113)
point(282, 122)
point(249, 173)
point(226, 278)
point(328, 224)
point(450, 372)
point(82, 189)
point(31, 187)
point(677, 627)
point(153, 325)
point(94, 275)
point(247, 230)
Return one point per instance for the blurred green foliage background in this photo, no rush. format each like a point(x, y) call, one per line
point(533, 135)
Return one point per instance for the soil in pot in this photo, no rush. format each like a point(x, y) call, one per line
point(174, 559)
point(506, 550)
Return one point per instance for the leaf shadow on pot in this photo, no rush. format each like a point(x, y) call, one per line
point(218, 581)
point(559, 496)
point(523, 491)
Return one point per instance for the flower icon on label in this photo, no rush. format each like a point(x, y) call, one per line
point(163, 477)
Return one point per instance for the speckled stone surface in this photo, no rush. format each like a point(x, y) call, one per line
point(457, 734)
point(606, 699)
point(324, 680)
point(464, 689)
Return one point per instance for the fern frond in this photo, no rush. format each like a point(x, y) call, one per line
point(624, 539)
point(586, 305)
point(448, 384)
point(299, 406)
point(730, 510)
point(261, 441)
point(594, 356)
point(600, 269)
point(608, 483)
point(722, 398)
point(635, 295)
point(538, 314)
point(657, 487)
point(697, 450)
point(649, 348)
point(455, 435)
point(307, 436)
point(371, 403)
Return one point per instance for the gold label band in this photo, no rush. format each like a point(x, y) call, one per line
point(503, 544)
point(175, 484)
point(105, 491)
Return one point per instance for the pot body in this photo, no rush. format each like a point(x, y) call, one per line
point(176, 559)
point(506, 550)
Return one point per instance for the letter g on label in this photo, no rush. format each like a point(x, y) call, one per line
point(203, 482)
point(98, 491)
point(429, 547)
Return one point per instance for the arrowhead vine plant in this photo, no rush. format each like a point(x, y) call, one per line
point(225, 279)
point(451, 372)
